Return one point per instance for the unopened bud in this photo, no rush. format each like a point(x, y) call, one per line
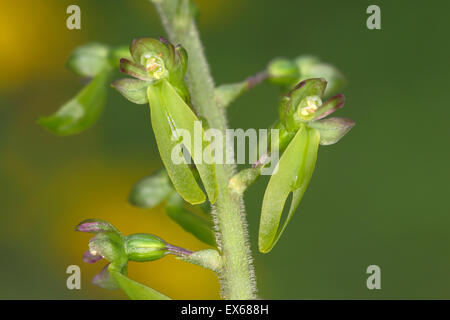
point(282, 72)
point(143, 247)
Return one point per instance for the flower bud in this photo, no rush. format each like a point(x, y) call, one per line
point(143, 247)
point(312, 67)
point(283, 72)
point(151, 191)
point(305, 63)
point(89, 60)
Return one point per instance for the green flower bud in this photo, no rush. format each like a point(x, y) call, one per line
point(89, 60)
point(312, 67)
point(151, 190)
point(143, 247)
point(283, 72)
point(305, 63)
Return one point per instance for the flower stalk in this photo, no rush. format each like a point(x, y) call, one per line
point(237, 273)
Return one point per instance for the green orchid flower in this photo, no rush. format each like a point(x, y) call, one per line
point(158, 68)
point(302, 129)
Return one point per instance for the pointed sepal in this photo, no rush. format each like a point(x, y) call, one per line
point(332, 129)
point(134, 90)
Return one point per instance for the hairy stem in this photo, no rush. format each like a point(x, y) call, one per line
point(237, 275)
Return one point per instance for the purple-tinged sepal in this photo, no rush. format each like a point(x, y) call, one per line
point(104, 279)
point(95, 226)
point(332, 129)
point(88, 257)
point(331, 105)
point(135, 70)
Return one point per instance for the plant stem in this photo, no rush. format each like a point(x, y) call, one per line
point(237, 276)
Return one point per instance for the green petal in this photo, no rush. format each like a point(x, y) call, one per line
point(82, 111)
point(135, 290)
point(294, 172)
point(200, 227)
point(133, 89)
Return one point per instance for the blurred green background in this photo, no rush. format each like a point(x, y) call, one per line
point(378, 197)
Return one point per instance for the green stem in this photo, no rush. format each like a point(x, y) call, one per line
point(237, 275)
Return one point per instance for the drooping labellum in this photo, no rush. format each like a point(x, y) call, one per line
point(292, 174)
point(169, 115)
